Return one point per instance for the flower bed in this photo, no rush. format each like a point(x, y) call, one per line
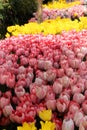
point(61, 5)
point(48, 27)
point(78, 10)
point(44, 73)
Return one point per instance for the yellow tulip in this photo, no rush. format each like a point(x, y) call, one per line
point(61, 4)
point(45, 115)
point(48, 125)
point(27, 126)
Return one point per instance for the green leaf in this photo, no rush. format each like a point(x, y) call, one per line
point(1, 16)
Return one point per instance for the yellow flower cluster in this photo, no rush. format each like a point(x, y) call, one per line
point(47, 27)
point(61, 4)
point(46, 116)
point(27, 126)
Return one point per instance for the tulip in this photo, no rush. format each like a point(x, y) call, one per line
point(84, 106)
point(62, 105)
point(26, 126)
point(21, 70)
point(68, 124)
point(78, 118)
point(83, 125)
point(10, 81)
point(79, 98)
point(48, 125)
point(60, 72)
point(45, 115)
point(45, 65)
point(57, 87)
point(74, 106)
point(40, 92)
point(19, 91)
point(17, 118)
point(50, 75)
point(58, 123)
point(4, 101)
point(65, 81)
point(7, 110)
point(51, 104)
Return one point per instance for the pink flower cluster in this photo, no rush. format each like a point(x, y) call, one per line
point(63, 13)
point(44, 72)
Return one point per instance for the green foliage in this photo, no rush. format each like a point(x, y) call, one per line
point(2, 26)
point(15, 12)
point(23, 9)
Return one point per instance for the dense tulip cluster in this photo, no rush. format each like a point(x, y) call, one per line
point(78, 10)
point(61, 4)
point(44, 72)
point(55, 26)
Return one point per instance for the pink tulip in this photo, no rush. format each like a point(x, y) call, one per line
point(79, 98)
point(39, 81)
point(78, 118)
point(65, 81)
point(33, 98)
point(10, 81)
point(15, 100)
point(74, 63)
point(2, 54)
point(64, 64)
point(74, 106)
point(50, 75)
point(19, 91)
point(21, 82)
point(23, 60)
point(3, 78)
point(50, 95)
point(83, 125)
point(7, 110)
point(51, 104)
point(57, 87)
point(62, 105)
point(33, 62)
point(3, 102)
point(17, 118)
point(21, 70)
point(75, 89)
point(84, 106)
point(8, 94)
point(40, 92)
point(60, 72)
point(68, 124)
point(42, 64)
point(20, 76)
point(69, 71)
point(20, 51)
